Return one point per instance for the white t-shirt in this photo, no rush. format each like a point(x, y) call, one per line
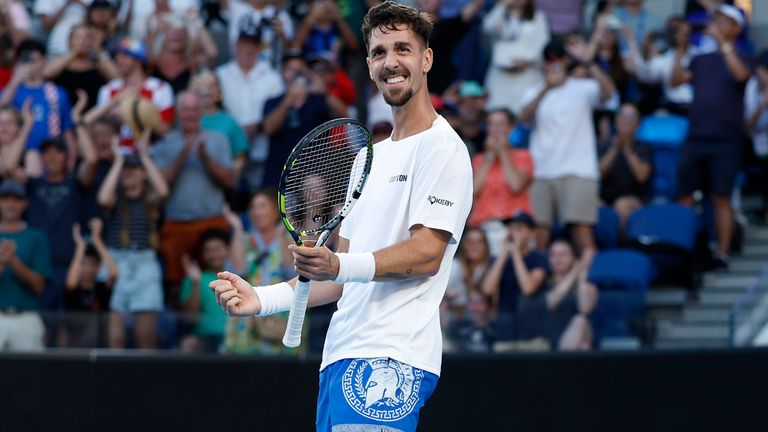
point(425, 179)
point(659, 70)
point(244, 95)
point(74, 14)
point(563, 138)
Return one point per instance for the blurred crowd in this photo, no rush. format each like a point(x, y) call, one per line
point(141, 143)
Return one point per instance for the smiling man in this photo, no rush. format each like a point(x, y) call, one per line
point(383, 349)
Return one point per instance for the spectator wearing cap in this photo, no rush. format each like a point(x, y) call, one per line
point(195, 163)
point(133, 81)
point(563, 147)
point(325, 30)
point(501, 180)
point(519, 271)
point(131, 196)
point(756, 111)
point(276, 30)
point(58, 17)
point(247, 82)
point(711, 156)
point(470, 99)
point(50, 103)
point(290, 116)
point(518, 32)
point(86, 66)
point(25, 266)
point(625, 165)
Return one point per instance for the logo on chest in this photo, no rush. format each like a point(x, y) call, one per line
point(398, 178)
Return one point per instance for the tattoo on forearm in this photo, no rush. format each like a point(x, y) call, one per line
point(399, 276)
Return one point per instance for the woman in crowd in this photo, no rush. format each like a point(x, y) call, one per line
point(570, 299)
point(518, 33)
point(266, 260)
point(131, 196)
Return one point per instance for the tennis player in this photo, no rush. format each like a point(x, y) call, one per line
point(383, 349)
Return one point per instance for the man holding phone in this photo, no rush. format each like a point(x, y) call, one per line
point(563, 146)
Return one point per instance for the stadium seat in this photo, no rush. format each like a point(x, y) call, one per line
point(667, 234)
point(666, 135)
point(622, 278)
point(607, 231)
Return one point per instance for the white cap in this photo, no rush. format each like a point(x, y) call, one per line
point(731, 12)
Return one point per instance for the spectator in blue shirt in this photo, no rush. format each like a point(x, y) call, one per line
point(25, 266)
point(50, 103)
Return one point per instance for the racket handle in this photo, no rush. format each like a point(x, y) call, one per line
point(292, 337)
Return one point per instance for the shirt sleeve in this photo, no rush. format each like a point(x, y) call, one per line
point(162, 98)
point(522, 160)
point(103, 97)
point(591, 91)
point(441, 195)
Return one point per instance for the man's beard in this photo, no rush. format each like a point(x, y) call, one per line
point(398, 101)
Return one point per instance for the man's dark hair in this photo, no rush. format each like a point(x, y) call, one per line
point(389, 16)
point(30, 45)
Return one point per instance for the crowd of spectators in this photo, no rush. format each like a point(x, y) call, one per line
point(141, 143)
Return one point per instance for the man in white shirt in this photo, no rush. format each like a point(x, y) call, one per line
point(382, 353)
point(247, 83)
point(563, 147)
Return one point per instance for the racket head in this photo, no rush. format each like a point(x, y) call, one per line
point(323, 178)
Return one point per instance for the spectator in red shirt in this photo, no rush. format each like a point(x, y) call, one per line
point(501, 180)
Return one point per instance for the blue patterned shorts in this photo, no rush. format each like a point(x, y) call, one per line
point(372, 395)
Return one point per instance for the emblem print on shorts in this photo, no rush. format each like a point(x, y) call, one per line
point(381, 389)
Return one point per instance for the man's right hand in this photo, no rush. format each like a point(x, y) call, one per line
point(236, 296)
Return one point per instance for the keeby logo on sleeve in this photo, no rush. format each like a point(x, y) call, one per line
point(435, 200)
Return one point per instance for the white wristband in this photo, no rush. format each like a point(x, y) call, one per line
point(274, 298)
point(356, 267)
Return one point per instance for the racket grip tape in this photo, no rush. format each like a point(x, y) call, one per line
point(292, 337)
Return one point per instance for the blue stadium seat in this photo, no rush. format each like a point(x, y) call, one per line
point(623, 278)
point(667, 234)
point(666, 135)
point(607, 231)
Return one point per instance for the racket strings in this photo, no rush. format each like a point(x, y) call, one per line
point(323, 176)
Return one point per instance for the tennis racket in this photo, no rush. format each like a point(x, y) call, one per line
point(321, 181)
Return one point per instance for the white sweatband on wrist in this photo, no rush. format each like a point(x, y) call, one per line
point(356, 267)
point(274, 298)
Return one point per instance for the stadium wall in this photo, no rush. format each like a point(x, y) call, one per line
point(645, 391)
